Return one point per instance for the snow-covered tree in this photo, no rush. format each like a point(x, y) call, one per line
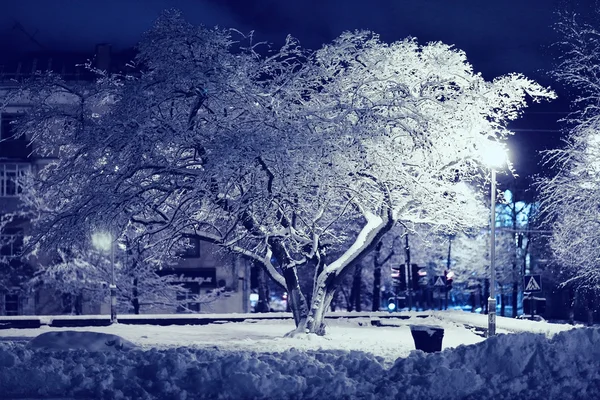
point(515, 218)
point(274, 157)
point(570, 198)
point(84, 274)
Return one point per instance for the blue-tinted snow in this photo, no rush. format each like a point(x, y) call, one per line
point(513, 366)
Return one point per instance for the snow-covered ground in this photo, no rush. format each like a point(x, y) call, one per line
point(249, 360)
point(389, 342)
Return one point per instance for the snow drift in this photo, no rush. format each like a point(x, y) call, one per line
point(504, 367)
point(72, 340)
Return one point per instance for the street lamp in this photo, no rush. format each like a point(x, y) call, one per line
point(104, 241)
point(495, 156)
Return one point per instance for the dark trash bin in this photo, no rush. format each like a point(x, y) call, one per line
point(428, 338)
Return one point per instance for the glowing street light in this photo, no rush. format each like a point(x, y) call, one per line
point(495, 156)
point(104, 241)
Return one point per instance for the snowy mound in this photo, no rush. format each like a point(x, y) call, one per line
point(518, 366)
point(74, 340)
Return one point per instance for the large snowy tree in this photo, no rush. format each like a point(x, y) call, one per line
point(275, 156)
point(570, 197)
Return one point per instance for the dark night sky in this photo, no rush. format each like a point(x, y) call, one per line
point(499, 36)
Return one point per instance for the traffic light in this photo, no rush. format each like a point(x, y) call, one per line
point(419, 276)
point(399, 277)
point(449, 278)
point(392, 306)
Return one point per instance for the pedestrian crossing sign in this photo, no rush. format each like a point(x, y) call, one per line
point(532, 283)
point(439, 281)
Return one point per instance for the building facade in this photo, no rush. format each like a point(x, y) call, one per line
point(221, 281)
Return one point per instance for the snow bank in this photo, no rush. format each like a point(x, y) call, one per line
point(518, 366)
point(503, 324)
point(504, 367)
point(72, 340)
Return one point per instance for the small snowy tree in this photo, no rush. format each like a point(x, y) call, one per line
point(274, 157)
point(515, 218)
point(85, 275)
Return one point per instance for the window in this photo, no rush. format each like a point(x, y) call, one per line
point(10, 145)
point(11, 243)
point(11, 178)
point(11, 304)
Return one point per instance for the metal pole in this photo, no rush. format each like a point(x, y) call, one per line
point(492, 298)
point(408, 273)
point(448, 263)
point(113, 287)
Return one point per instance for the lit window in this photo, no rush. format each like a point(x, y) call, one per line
point(11, 179)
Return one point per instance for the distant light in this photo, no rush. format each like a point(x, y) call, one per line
point(422, 272)
point(450, 275)
point(391, 306)
point(285, 296)
point(253, 296)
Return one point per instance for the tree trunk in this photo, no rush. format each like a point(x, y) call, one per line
point(296, 299)
point(135, 302)
point(589, 306)
point(515, 299)
point(262, 306)
point(376, 290)
point(78, 304)
point(332, 276)
point(377, 278)
point(502, 301)
point(334, 301)
point(486, 294)
point(571, 300)
point(324, 293)
point(356, 287)
point(350, 301)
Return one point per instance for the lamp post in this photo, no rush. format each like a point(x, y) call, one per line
point(495, 157)
point(492, 298)
point(104, 241)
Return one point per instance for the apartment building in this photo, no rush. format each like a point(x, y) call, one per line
point(203, 269)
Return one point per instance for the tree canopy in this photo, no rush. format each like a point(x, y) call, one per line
point(570, 197)
point(276, 157)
